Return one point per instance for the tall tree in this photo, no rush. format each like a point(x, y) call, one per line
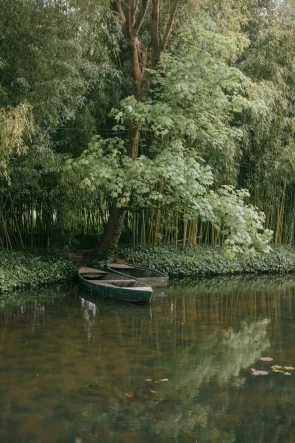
point(144, 57)
point(181, 101)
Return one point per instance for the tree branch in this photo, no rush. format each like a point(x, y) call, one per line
point(141, 15)
point(130, 15)
point(118, 6)
point(155, 33)
point(136, 3)
point(169, 25)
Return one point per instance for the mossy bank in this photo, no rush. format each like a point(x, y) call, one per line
point(209, 261)
point(20, 270)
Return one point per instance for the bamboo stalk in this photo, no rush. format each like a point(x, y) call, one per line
point(184, 234)
point(176, 230)
point(279, 218)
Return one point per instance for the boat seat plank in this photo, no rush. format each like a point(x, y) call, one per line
point(93, 275)
point(121, 266)
point(118, 283)
point(85, 270)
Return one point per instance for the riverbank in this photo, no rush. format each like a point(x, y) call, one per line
point(191, 262)
point(19, 270)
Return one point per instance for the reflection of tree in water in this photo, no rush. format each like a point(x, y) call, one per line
point(180, 409)
point(21, 298)
point(89, 310)
point(236, 282)
point(225, 355)
point(203, 342)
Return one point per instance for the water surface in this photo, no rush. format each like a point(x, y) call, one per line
point(74, 368)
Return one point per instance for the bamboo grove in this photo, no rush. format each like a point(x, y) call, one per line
point(217, 94)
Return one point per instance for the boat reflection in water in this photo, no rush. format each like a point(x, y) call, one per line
point(96, 304)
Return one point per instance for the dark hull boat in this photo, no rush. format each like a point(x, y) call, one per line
point(145, 275)
point(114, 286)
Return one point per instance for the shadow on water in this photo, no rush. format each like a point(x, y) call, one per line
point(234, 282)
point(74, 367)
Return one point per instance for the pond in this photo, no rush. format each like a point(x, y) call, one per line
point(79, 369)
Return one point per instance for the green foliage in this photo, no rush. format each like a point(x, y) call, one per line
point(57, 70)
point(16, 128)
point(108, 169)
point(191, 262)
point(170, 172)
point(243, 225)
point(53, 56)
point(21, 269)
point(220, 112)
point(267, 166)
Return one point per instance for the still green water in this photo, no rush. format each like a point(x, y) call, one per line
point(80, 369)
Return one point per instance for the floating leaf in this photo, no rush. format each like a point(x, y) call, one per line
point(287, 373)
point(278, 370)
point(258, 372)
point(289, 368)
point(153, 392)
point(276, 367)
point(148, 379)
point(129, 394)
point(266, 359)
point(166, 379)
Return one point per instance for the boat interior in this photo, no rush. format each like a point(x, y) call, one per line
point(103, 276)
point(120, 283)
point(110, 279)
point(136, 272)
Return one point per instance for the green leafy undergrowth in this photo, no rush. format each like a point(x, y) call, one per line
point(24, 269)
point(208, 260)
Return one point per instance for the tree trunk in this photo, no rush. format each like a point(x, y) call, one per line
point(111, 234)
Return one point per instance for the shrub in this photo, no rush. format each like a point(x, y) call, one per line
point(24, 269)
point(208, 260)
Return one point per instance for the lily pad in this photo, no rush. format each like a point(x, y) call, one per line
point(266, 359)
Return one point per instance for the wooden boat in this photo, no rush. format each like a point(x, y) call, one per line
point(117, 287)
point(145, 275)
